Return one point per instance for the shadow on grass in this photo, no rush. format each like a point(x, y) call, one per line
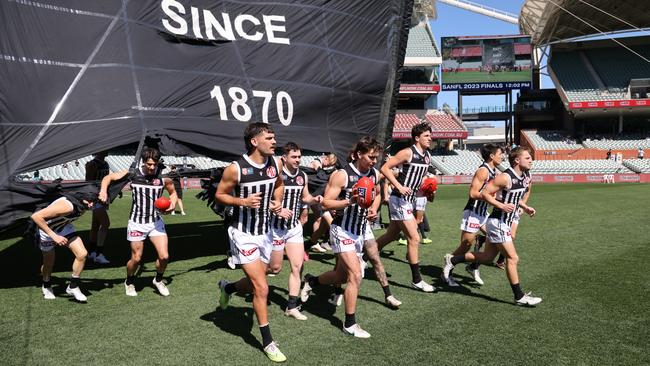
point(20, 263)
point(237, 321)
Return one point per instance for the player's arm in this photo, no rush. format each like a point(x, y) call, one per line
point(523, 203)
point(315, 164)
point(500, 182)
point(173, 197)
point(91, 171)
point(307, 197)
point(40, 217)
point(278, 194)
point(374, 208)
point(387, 170)
point(480, 176)
point(334, 186)
point(226, 186)
point(103, 190)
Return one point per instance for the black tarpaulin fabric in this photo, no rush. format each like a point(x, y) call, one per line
point(80, 76)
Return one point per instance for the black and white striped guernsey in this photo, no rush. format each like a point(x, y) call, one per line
point(293, 187)
point(353, 218)
point(518, 187)
point(413, 172)
point(480, 207)
point(59, 222)
point(254, 178)
point(146, 189)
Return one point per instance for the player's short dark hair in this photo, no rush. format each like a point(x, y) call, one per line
point(254, 129)
point(364, 145)
point(515, 153)
point(150, 153)
point(290, 146)
point(419, 129)
point(489, 149)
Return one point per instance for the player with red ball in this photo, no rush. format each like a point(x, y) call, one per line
point(353, 193)
point(147, 187)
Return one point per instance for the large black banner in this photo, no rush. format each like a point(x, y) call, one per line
point(79, 76)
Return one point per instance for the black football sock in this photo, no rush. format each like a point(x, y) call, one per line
point(386, 290)
point(516, 290)
point(130, 280)
point(159, 276)
point(313, 281)
point(292, 303)
point(230, 288)
point(415, 272)
point(338, 290)
point(457, 259)
point(47, 284)
point(501, 258)
point(74, 282)
point(99, 250)
point(266, 335)
point(350, 320)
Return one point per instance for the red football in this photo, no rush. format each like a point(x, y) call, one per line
point(163, 203)
point(429, 186)
point(365, 188)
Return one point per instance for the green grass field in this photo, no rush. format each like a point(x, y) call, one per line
point(478, 76)
point(585, 253)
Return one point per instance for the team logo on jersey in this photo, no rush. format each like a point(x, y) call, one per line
point(353, 178)
point(426, 159)
point(270, 172)
point(247, 252)
point(247, 171)
point(299, 180)
point(156, 182)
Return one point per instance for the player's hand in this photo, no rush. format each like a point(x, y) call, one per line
point(285, 213)
point(354, 197)
point(254, 200)
point(103, 196)
point(60, 240)
point(372, 214)
point(171, 208)
point(404, 191)
point(530, 211)
point(508, 207)
point(318, 199)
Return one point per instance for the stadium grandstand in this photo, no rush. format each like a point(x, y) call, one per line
point(76, 170)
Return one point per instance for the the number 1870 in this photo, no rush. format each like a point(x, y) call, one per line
point(242, 112)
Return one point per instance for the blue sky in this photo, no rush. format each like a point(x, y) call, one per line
point(454, 21)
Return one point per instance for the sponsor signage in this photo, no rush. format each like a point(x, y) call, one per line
point(419, 89)
point(610, 104)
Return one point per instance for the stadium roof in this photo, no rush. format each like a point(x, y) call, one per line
point(555, 20)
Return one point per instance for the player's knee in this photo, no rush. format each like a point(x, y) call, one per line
point(275, 268)
point(81, 255)
point(295, 267)
point(513, 260)
point(136, 257)
point(163, 257)
point(354, 277)
point(261, 290)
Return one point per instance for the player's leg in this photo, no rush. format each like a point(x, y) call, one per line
point(349, 262)
point(46, 271)
point(80, 253)
point(104, 224)
point(512, 260)
point(372, 252)
point(160, 242)
point(295, 253)
point(137, 247)
point(392, 232)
